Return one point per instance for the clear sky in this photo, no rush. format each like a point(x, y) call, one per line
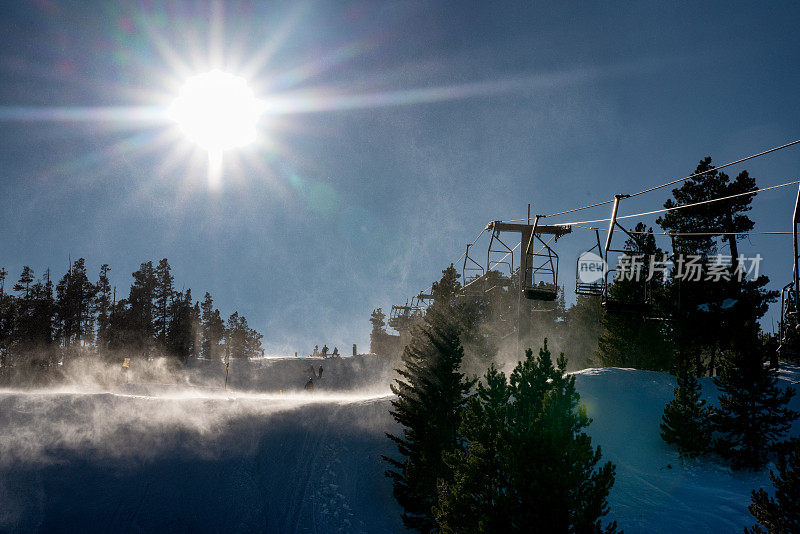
point(396, 131)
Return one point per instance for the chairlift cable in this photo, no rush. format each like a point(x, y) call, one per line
point(664, 210)
point(673, 182)
point(774, 149)
point(697, 234)
point(689, 234)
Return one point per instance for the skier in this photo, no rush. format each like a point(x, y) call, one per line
point(310, 385)
point(325, 351)
point(335, 352)
point(320, 372)
point(316, 351)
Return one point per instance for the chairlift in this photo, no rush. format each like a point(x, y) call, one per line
point(541, 264)
point(789, 326)
point(547, 269)
point(638, 306)
point(472, 277)
point(400, 317)
point(471, 269)
point(595, 288)
point(421, 301)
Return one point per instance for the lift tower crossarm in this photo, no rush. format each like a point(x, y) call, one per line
point(558, 231)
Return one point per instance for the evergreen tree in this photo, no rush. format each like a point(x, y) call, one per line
point(75, 295)
point(213, 329)
point(7, 313)
point(22, 328)
point(197, 330)
point(25, 279)
point(162, 297)
point(780, 514)
point(430, 396)
point(686, 422)
point(102, 307)
point(180, 329)
point(234, 337)
point(252, 341)
point(714, 315)
point(241, 341)
point(474, 500)
point(753, 412)
point(140, 314)
point(44, 309)
point(526, 464)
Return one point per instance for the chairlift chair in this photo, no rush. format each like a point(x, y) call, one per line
point(400, 317)
point(595, 288)
point(472, 277)
point(641, 306)
point(547, 269)
point(789, 326)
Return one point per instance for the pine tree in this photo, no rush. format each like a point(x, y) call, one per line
point(197, 330)
point(213, 329)
point(44, 309)
point(473, 500)
point(74, 307)
point(526, 464)
point(180, 328)
point(252, 341)
point(686, 422)
point(25, 279)
point(235, 335)
point(162, 297)
point(753, 413)
point(140, 313)
point(102, 307)
point(430, 396)
point(7, 313)
point(708, 327)
point(780, 514)
point(22, 327)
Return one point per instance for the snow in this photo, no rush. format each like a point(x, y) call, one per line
point(196, 457)
point(655, 491)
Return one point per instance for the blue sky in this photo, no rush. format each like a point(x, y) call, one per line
point(411, 125)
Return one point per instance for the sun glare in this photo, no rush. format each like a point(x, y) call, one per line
point(217, 110)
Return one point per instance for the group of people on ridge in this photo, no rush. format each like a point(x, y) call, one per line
point(324, 352)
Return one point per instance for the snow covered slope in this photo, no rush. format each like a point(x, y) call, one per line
point(654, 490)
point(187, 462)
point(151, 457)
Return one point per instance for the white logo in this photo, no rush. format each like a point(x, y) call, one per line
point(590, 267)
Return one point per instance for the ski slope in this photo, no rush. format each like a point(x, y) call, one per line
point(655, 491)
point(191, 456)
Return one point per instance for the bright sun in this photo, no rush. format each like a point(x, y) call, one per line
point(217, 110)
